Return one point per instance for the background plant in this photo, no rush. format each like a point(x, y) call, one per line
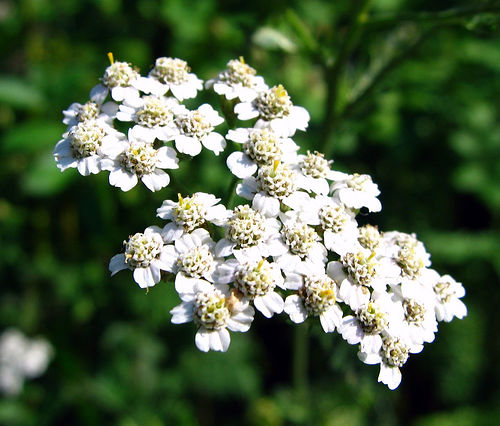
point(412, 100)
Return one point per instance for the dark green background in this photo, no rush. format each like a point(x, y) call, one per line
point(426, 129)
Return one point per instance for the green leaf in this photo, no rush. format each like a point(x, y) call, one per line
point(44, 178)
point(33, 136)
point(19, 94)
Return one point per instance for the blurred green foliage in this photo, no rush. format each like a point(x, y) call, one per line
point(415, 105)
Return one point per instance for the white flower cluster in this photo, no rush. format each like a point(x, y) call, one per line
point(296, 247)
point(152, 107)
point(21, 358)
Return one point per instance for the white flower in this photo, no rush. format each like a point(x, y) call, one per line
point(145, 255)
point(87, 146)
point(366, 326)
point(138, 159)
point(256, 279)
point(370, 238)
point(448, 293)
point(94, 109)
point(357, 271)
point(356, 191)
point(239, 80)
point(313, 172)
point(274, 108)
point(273, 185)
point(21, 358)
point(393, 354)
point(317, 296)
point(153, 115)
point(340, 229)
point(171, 74)
point(190, 213)
point(249, 234)
point(214, 309)
point(304, 247)
point(419, 317)
point(196, 129)
point(408, 253)
point(261, 147)
point(120, 79)
point(191, 257)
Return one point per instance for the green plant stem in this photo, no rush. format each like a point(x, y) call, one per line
point(333, 73)
point(301, 360)
point(381, 75)
point(433, 17)
point(231, 192)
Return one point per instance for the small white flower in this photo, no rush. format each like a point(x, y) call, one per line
point(408, 253)
point(239, 80)
point(191, 257)
point(366, 326)
point(317, 296)
point(144, 254)
point(94, 109)
point(256, 280)
point(369, 237)
point(190, 213)
point(448, 293)
point(273, 185)
point(21, 358)
point(359, 271)
point(196, 129)
point(87, 146)
point(120, 79)
point(274, 108)
point(214, 309)
point(419, 317)
point(304, 247)
point(138, 159)
point(313, 172)
point(171, 74)
point(340, 229)
point(153, 115)
point(261, 147)
point(356, 191)
point(392, 355)
point(250, 235)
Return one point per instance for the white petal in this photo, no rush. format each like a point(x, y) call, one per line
point(241, 165)
point(99, 93)
point(224, 248)
point(156, 180)
point(117, 263)
point(295, 308)
point(214, 142)
point(123, 179)
point(265, 204)
point(182, 313)
point(245, 111)
point(188, 145)
point(145, 278)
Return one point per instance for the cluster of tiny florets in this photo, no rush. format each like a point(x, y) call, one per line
point(295, 247)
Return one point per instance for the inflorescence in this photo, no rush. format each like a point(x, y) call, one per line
point(296, 247)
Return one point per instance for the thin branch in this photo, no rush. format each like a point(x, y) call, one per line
point(383, 73)
point(433, 17)
point(334, 73)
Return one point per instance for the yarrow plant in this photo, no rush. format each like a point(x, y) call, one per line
point(294, 249)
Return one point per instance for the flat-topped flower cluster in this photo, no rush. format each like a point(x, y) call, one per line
point(294, 248)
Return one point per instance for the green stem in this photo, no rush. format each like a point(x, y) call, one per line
point(301, 360)
point(392, 64)
point(228, 199)
point(436, 17)
point(333, 73)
